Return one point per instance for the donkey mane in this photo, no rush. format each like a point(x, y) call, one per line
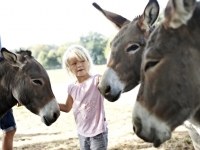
point(137, 18)
point(24, 52)
point(21, 52)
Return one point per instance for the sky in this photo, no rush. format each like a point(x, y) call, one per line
point(25, 23)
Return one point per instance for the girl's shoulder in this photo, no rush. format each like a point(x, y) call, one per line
point(71, 85)
point(94, 78)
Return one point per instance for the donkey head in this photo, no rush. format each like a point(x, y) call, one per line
point(170, 87)
point(123, 68)
point(30, 85)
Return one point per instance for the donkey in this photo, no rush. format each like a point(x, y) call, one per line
point(126, 51)
point(109, 82)
point(24, 80)
point(170, 87)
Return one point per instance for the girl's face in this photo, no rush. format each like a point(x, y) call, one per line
point(78, 67)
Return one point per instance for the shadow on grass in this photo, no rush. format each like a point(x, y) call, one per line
point(45, 141)
point(179, 141)
point(50, 145)
point(18, 136)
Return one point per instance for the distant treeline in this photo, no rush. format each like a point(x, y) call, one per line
point(50, 56)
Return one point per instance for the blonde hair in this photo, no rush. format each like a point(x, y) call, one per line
point(80, 53)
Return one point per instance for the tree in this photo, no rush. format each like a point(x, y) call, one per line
point(42, 58)
point(96, 44)
point(107, 49)
point(52, 61)
point(61, 51)
point(36, 49)
point(160, 18)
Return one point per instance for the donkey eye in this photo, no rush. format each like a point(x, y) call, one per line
point(150, 64)
point(38, 82)
point(132, 48)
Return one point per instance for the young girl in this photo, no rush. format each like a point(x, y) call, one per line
point(85, 99)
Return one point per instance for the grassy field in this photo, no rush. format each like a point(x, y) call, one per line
point(60, 76)
point(60, 81)
point(32, 134)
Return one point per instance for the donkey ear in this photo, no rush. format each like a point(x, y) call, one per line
point(178, 12)
point(9, 56)
point(149, 15)
point(118, 20)
point(12, 58)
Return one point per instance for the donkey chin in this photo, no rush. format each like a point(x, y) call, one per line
point(149, 128)
point(111, 88)
point(50, 113)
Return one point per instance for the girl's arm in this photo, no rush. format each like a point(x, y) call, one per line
point(68, 105)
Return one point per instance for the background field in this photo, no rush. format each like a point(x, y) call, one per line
point(32, 134)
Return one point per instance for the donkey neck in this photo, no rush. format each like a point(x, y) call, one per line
point(7, 75)
point(7, 103)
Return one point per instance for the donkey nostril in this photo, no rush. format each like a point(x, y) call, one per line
point(54, 116)
point(134, 128)
point(137, 127)
point(107, 91)
point(150, 64)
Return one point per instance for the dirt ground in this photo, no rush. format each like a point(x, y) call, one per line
point(32, 134)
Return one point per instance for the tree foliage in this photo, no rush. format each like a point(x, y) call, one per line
point(52, 59)
point(50, 56)
point(160, 18)
point(107, 49)
point(42, 58)
point(96, 44)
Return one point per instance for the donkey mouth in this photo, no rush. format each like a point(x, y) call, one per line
point(151, 139)
point(157, 143)
point(46, 121)
point(112, 98)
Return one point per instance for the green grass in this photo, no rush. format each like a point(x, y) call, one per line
point(59, 76)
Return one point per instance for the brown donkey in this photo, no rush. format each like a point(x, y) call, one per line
point(111, 83)
point(170, 87)
point(123, 68)
point(24, 80)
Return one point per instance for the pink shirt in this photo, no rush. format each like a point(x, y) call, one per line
point(88, 107)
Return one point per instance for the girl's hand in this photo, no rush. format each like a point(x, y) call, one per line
point(99, 79)
point(19, 104)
